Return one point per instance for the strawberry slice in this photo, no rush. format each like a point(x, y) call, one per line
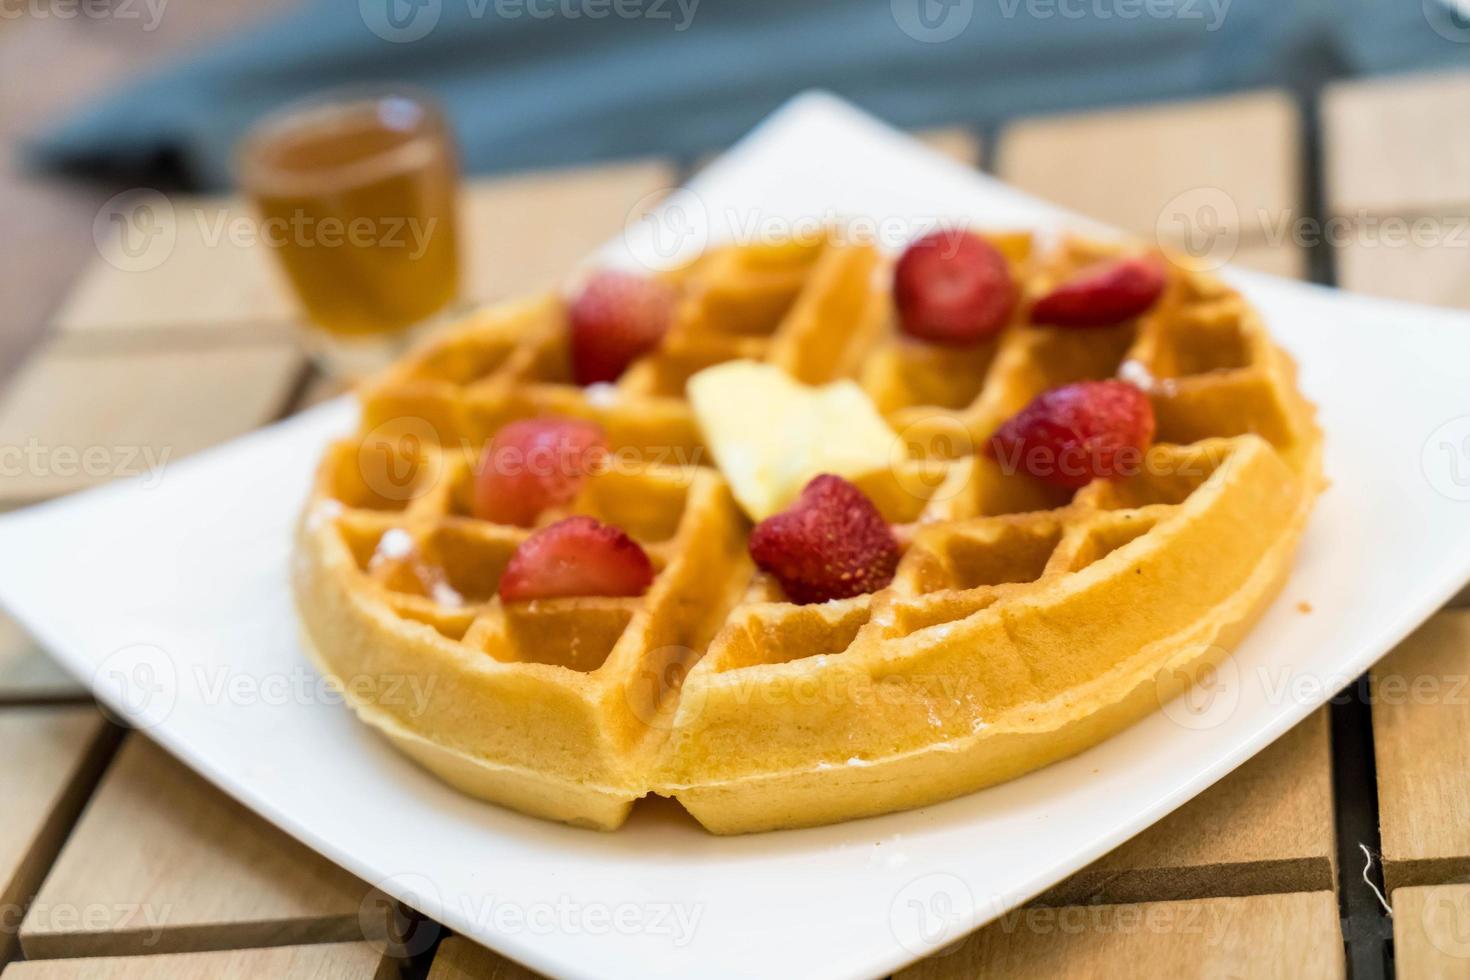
point(1103, 294)
point(535, 464)
point(579, 556)
point(616, 319)
point(1071, 435)
point(953, 287)
point(831, 544)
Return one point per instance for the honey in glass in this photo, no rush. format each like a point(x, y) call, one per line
point(355, 194)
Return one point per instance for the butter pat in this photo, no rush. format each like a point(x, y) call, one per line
point(770, 434)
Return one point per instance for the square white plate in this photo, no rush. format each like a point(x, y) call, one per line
point(170, 598)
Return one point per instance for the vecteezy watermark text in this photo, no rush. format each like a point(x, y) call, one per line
point(148, 12)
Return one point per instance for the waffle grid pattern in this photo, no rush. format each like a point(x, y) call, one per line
point(974, 535)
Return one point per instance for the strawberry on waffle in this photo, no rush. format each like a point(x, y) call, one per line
point(914, 528)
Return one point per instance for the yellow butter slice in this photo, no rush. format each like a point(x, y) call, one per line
point(770, 434)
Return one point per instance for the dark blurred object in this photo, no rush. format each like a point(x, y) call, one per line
point(534, 82)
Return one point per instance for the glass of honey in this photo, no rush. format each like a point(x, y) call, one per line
point(355, 194)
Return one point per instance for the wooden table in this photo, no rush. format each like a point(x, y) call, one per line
point(116, 861)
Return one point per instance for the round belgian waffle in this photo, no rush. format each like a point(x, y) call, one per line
point(1024, 622)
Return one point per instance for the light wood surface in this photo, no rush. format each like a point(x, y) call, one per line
point(1431, 932)
point(27, 673)
point(529, 232)
point(163, 862)
point(1397, 145)
point(1286, 936)
point(52, 757)
point(72, 420)
point(460, 959)
point(1228, 166)
point(1267, 827)
point(1421, 737)
point(1434, 273)
point(956, 142)
point(203, 271)
point(51, 64)
point(1395, 155)
point(330, 961)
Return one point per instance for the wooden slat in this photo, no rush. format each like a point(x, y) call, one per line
point(1286, 936)
point(319, 389)
point(27, 673)
point(331, 961)
point(459, 959)
point(71, 420)
point(1429, 272)
point(1228, 164)
point(1397, 145)
point(1421, 736)
point(162, 862)
point(51, 66)
point(956, 142)
point(1267, 827)
point(201, 273)
point(1431, 932)
point(528, 232)
point(52, 758)
point(1396, 152)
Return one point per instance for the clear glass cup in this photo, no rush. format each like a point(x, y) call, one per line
point(355, 193)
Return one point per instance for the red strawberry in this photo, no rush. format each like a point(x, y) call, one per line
point(831, 544)
point(1103, 294)
point(1071, 435)
point(952, 287)
point(615, 319)
point(534, 464)
point(579, 556)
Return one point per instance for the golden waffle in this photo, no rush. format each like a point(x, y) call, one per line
point(1023, 624)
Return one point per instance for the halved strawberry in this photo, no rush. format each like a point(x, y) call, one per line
point(831, 544)
point(953, 287)
point(535, 464)
point(1103, 294)
point(579, 556)
point(1071, 435)
point(615, 319)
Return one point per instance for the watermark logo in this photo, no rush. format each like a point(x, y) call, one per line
point(1203, 223)
point(136, 230)
point(141, 681)
point(1450, 19)
point(1445, 459)
point(399, 459)
point(932, 21)
point(1210, 690)
point(666, 225)
point(400, 21)
point(931, 912)
point(396, 926)
point(149, 12)
point(1445, 916)
point(659, 677)
point(920, 451)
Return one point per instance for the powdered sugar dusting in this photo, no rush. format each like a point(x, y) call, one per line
point(601, 394)
point(395, 545)
point(323, 513)
point(446, 595)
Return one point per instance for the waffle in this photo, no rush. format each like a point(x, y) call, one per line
point(1024, 622)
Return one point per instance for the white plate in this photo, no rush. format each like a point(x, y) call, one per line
point(171, 600)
